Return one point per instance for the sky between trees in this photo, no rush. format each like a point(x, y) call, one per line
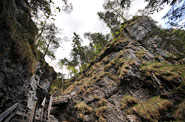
point(84, 19)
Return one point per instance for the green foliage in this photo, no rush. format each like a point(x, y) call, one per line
point(56, 86)
point(111, 20)
point(73, 70)
point(84, 67)
point(49, 41)
point(98, 42)
point(77, 53)
point(46, 6)
point(81, 56)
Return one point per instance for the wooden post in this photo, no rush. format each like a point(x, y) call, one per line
point(43, 107)
point(33, 112)
point(49, 107)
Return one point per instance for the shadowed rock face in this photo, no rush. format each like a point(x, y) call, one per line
point(133, 80)
point(22, 75)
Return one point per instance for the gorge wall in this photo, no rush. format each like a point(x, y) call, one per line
point(24, 74)
point(139, 77)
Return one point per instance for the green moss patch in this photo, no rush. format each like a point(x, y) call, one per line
point(101, 119)
point(128, 101)
point(152, 109)
point(83, 108)
point(99, 113)
point(164, 70)
point(102, 102)
point(23, 50)
point(141, 53)
point(23, 45)
point(180, 112)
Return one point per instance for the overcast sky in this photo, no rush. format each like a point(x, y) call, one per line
point(84, 19)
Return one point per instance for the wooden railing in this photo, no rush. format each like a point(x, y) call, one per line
point(60, 99)
point(15, 110)
point(24, 112)
point(7, 115)
point(32, 116)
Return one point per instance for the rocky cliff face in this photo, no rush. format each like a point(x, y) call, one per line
point(140, 76)
point(24, 77)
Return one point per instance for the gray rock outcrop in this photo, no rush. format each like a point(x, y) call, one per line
point(135, 79)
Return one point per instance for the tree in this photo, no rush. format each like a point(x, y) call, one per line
point(111, 19)
point(77, 53)
point(81, 56)
point(46, 40)
point(77, 56)
point(175, 15)
point(115, 7)
point(45, 6)
point(49, 41)
point(98, 42)
point(113, 15)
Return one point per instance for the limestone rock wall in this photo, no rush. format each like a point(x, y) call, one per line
point(135, 79)
point(24, 77)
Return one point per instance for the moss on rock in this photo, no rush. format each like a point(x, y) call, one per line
point(141, 53)
point(180, 111)
point(103, 102)
point(128, 101)
point(101, 119)
point(83, 108)
point(99, 111)
point(164, 70)
point(152, 109)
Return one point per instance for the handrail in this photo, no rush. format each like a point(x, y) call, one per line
point(7, 115)
point(21, 110)
point(32, 116)
point(49, 106)
point(42, 115)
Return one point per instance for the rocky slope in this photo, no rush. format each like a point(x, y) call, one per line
point(24, 75)
point(140, 76)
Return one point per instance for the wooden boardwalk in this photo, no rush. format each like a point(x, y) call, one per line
point(21, 113)
point(35, 114)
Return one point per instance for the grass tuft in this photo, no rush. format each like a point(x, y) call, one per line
point(128, 101)
point(152, 109)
